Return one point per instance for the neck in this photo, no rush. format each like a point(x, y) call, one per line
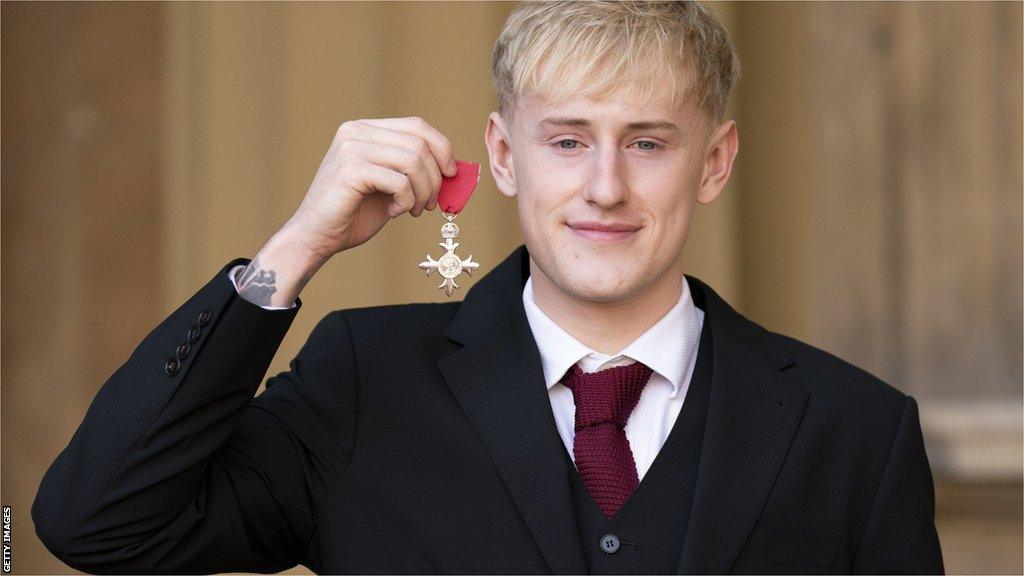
point(606, 327)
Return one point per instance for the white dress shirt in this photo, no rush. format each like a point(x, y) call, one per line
point(669, 348)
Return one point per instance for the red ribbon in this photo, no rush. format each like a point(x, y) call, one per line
point(456, 190)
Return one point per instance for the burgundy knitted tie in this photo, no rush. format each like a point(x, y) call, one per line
point(604, 400)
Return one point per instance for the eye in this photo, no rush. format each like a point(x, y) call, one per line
point(653, 145)
point(570, 144)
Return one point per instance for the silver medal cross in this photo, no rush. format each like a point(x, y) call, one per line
point(449, 266)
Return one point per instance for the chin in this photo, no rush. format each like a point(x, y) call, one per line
point(593, 275)
point(597, 281)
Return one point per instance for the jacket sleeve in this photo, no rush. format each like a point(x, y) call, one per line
point(176, 468)
point(900, 537)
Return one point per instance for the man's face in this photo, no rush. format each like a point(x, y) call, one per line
point(606, 190)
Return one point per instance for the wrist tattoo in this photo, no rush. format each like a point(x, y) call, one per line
point(256, 284)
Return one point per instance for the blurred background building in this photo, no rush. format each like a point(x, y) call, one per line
point(875, 211)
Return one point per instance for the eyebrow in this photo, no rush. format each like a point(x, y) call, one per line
point(584, 123)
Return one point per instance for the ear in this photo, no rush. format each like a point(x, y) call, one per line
point(718, 160)
point(499, 151)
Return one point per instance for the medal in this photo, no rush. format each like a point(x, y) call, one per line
point(452, 198)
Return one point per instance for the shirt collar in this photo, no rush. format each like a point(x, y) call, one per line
point(668, 347)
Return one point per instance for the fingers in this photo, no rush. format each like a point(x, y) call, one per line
point(409, 147)
point(404, 161)
point(426, 195)
point(369, 176)
point(440, 147)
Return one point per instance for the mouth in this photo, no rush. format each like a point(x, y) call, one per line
point(603, 231)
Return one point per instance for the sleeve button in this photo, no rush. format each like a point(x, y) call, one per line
point(172, 366)
point(182, 351)
point(204, 316)
point(193, 333)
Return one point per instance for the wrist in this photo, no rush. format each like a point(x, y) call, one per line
point(278, 272)
point(308, 258)
point(312, 250)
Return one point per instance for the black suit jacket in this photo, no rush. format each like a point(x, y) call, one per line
point(420, 438)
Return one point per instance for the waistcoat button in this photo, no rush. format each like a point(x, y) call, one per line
point(610, 543)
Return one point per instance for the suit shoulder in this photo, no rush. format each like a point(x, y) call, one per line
point(829, 377)
point(395, 319)
point(417, 310)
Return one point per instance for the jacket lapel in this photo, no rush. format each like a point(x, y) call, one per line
point(753, 413)
point(498, 381)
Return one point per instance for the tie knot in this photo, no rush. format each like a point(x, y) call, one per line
point(607, 395)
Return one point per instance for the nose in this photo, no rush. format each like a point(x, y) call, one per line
point(606, 187)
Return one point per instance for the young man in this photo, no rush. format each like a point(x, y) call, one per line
point(586, 409)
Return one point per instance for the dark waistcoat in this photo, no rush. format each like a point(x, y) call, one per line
point(646, 536)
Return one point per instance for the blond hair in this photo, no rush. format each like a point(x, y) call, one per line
point(606, 48)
